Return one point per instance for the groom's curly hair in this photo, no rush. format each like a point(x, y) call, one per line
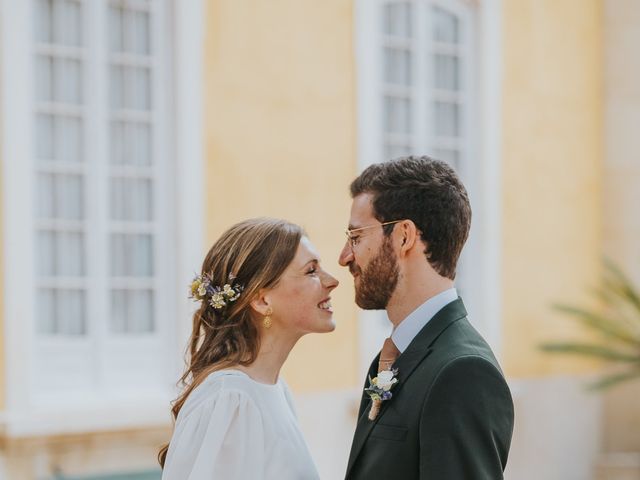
point(429, 193)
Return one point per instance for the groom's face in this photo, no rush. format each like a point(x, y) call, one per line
point(370, 257)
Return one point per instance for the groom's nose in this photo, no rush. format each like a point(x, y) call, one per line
point(346, 255)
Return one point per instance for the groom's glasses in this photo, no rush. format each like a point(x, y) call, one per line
point(353, 239)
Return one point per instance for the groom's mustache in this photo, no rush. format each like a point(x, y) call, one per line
point(354, 269)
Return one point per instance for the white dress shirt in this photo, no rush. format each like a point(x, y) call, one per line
point(406, 331)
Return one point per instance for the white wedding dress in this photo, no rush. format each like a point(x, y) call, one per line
point(232, 427)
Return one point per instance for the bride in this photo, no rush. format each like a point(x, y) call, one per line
point(261, 288)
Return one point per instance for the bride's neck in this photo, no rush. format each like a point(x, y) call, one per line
point(274, 350)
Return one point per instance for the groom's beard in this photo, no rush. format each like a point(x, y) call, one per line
point(378, 280)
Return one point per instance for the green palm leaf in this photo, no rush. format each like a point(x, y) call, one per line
point(610, 380)
point(599, 351)
point(610, 327)
point(618, 322)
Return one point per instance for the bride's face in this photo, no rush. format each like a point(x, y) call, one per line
point(301, 300)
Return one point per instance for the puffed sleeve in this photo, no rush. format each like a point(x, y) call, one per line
point(221, 438)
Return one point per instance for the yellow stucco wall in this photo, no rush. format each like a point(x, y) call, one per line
point(281, 141)
point(552, 154)
point(2, 330)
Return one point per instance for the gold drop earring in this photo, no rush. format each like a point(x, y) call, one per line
point(267, 319)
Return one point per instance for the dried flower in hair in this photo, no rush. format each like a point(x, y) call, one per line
point(216, 296)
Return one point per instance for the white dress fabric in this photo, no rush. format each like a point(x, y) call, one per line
point(232, 427)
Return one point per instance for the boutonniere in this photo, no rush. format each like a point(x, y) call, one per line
point(379, 390)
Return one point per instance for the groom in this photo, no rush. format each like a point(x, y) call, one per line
point(450, 415)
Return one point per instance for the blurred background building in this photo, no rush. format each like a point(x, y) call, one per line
point(133, 132)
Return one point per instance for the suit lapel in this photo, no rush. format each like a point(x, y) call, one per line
point(416, 352)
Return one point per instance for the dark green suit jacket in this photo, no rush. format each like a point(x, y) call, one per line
point(451, 414)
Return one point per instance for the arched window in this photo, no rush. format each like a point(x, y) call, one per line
point(93, 208)
point(420, 92)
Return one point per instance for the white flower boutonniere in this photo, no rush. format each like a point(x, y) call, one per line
point(379, 390)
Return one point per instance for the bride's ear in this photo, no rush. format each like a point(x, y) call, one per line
point(261, 303)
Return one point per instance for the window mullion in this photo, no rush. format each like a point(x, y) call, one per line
point(163, 152)
point(96, 151)
point(423, 140)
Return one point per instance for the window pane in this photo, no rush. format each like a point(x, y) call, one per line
point(117, 144)
point(46, 254)
point(70, 254)
point(140, 137)
point(43, 17)
point(397, 19)
point(61, 312)
point(46, 195)
point(452, 157)
point(60, 254)
point(68, 196)
point(46, 311)
point(131, 311)
point(395, 151)
point(116, 87)
point(139, 32)
point(140, 311)
point(139, 88)
point(68, 139)
point(59, 138)
point(397, 66)
point(116, 29)
point(130, 88)
point(131, 199)
point(44, 78)
point(447, 72)
point(131, 255)
point(67, 18)
point(141, 200)
point(119, 307)
point(447, 119)
point(130, 143)
point(70, 312)
point(60, 196)
point(67, 81)
point(446, 26)
point(142, 256)
point(119, 255)
point(397, 115)
point(44, 138)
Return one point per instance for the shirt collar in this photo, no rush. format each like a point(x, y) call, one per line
point(406, 331)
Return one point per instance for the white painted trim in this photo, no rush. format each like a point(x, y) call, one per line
point(17, 113)
point(105, 415)
point(490, 142)
point(369, 113)
point(189, 20)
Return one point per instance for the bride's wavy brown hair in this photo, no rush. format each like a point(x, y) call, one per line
point(256, 252)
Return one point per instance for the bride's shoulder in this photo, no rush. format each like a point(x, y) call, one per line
point(221, 389)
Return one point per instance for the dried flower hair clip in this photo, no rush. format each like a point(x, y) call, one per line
point(218, 297)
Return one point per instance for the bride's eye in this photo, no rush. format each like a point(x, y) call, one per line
point(311, 271)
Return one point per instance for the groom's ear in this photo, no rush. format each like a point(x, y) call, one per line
point(261, 302)
point(408, 235)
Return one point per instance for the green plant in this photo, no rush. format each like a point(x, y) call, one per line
point(617, 323)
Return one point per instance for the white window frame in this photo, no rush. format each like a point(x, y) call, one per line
point(24, 412)
point(482, 252)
